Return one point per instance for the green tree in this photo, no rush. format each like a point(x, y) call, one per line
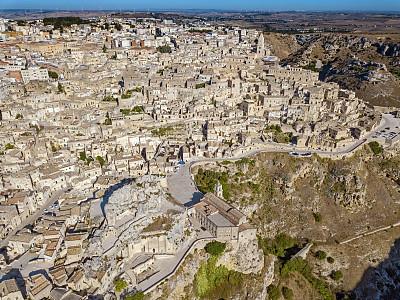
point(101, 160)
point(53, 75)
point(19, 116)
point(107, 121)
point(320, 255)
point(82, 155)
point(215, 248)
point(317, 217)
point(273, 292)
point(104, 48)
point(9, 146)
point(118, 26)
point(375, 147)
point(336, 275)
point(330, 259)
point(287, 293)
point(120, 285)
point(53, 148)
point(164, 49)
point(60, 88)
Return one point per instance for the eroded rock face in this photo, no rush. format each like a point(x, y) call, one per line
point(268, 277)
point(383, 281)
point(244, 257)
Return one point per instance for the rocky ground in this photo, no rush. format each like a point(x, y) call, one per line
point(369, 64)
point(325, 202)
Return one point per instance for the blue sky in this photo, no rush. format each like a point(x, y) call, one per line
point(204, 4)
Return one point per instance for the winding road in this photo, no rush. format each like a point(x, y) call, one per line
point(183, 188)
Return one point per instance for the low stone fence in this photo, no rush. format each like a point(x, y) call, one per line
point(199, 243)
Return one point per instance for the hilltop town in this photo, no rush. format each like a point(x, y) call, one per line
point(100, 122)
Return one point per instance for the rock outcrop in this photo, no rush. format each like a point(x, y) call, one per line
point(244, 257)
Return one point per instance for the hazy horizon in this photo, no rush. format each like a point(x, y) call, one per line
point(224, 5)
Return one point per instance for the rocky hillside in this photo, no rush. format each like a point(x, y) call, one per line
point(292, 201)
point(369, 65)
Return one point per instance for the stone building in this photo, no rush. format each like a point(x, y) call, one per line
point(220, 218)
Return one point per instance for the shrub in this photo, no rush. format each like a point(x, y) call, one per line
point(164, 49)
point(137, 296)
point(120, 285)
point(273, 292)
point(101, 160)
point(320, 255)
point(317, 217)
point(330, 259)
point(301, 266)
point(82, 155)
point(375, 147)
point(215, 248)
point(9, 146)
point(287, 293)
point(53, 75)
point(336, 275)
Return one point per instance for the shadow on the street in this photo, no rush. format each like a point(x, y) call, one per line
point(196, 197)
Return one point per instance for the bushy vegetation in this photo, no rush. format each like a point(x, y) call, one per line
point(273, 128)
point(9, 146)
point(82, 156)
point(321, 255)
point(109, 99)
point(301, 266)
point(125, 96)
point(215, 248)
point(278, 246)
point(312, 66)
point(120, 285)
point(212, 279)
point(206, 181)
point(375, 147)
point(317, 217)
point(278, 135)
point(53, 75)
point(60, 88)
point(164, 49)
point(337, 275)
point(136, 90)
point(273, 292)
point(246, 160)
point(107, 121)
point(330, 259)
point(200, 30)
point(61, 22)
point(100, 160)
point(163, 131)
point(287, 293)
point(19, 116)
point(200, 85)
point(135, 110)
